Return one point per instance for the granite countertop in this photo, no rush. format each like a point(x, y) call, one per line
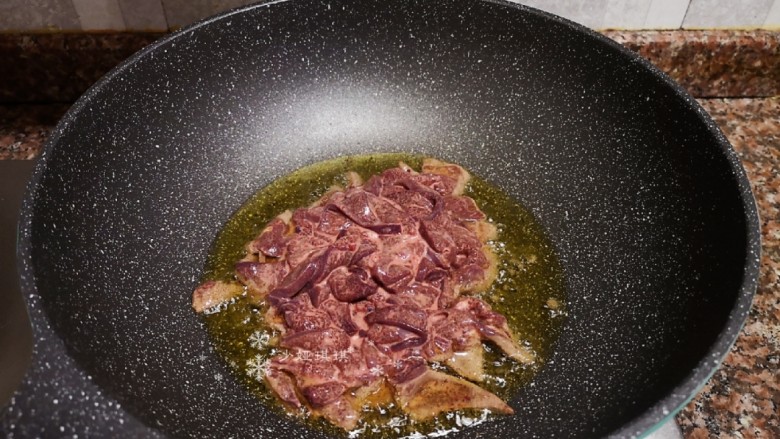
point(734, 75)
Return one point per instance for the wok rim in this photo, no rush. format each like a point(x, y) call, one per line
point(665, 408)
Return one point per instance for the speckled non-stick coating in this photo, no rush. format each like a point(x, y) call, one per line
point(643, 197)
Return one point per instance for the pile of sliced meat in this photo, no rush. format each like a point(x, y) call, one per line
point(368, 287)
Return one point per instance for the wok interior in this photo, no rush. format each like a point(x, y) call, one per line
point(631, 183)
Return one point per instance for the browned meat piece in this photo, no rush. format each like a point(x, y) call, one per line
point(484, 230)
point(458, 327)
point(385, 334)
point(361, 366)
point(321, 384)
point(455, 172)
point(405, 368)
point(320, 395)
point(342, 413)
point(300, 315)
point(283, 386)
point(456, 341)
point(306, 220)
point(351, 286)
point(469, 363)
point(357, 206)
point(330, 339)
point(260, 278)
point(457, 332)
point(413, 203)
point(411, 180)
point(340, 315)
point(493, 326)
point(397, 265)
point(271, 241)
point(473, 277)
point(307, 371)
point(442, 184)
point(332, 222)
point(419, 295)
point(436, 233)
point(301, 247)
point(213, 293)
point(434, 392)
point(406, 317)
point(371, 212)
point(463, 209)
point(302, 277)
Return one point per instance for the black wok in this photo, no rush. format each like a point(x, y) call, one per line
point(645, 200)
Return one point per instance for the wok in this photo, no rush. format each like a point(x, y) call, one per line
point(646, 202)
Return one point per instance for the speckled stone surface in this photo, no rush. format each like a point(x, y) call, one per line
point(742, 400)
point(59, 67)
point(24, 128)
point(708, 63)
